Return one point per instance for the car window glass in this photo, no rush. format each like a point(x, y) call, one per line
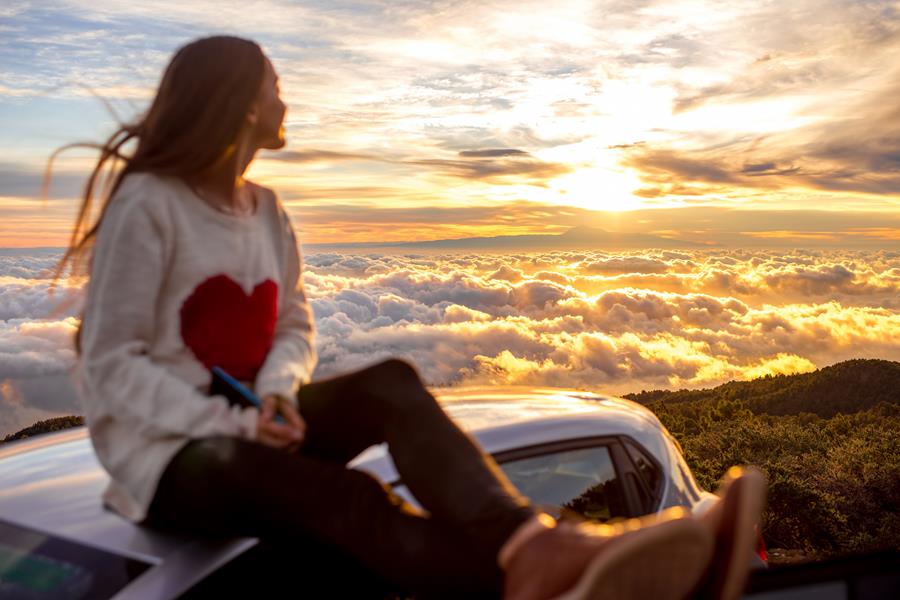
point(648, 471)
point(579, 482)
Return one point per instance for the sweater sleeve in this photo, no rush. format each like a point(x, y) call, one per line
point(292, 359)
point(120, 380)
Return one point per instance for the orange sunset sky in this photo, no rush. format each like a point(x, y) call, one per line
point(726, 123)
point(733, 169)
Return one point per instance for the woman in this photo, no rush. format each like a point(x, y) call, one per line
point(194, 266)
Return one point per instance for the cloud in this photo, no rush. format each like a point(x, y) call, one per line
point(631, 264)
point(508, 273)
point(850, 40)
point(424, 219)
point(562, 332)
point(314, 155)
point(24, 402)
point(489, 165)
point(28, 264)
point(859, 152)
point(30, 349)
point(23, 180)
point(492, 153)
point(608, 321)
point(525, 169)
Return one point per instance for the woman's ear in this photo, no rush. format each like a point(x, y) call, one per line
point(252, 115)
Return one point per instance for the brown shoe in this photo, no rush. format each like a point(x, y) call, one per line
point(734, 521)
point(662, 557)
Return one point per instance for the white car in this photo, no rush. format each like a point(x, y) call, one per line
point(571, 452)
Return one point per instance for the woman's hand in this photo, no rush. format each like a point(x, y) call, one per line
point(288, 435)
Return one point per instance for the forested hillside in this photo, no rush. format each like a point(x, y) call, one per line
point(829, 442)
point(46, 426)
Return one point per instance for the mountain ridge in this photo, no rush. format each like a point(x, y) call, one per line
point(581, 236)
point(849, 386)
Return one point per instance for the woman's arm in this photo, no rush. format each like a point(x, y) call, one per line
point(118, 377)
point(292, 359)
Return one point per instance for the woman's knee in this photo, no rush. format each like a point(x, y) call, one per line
point(394, 386)
point(389, 375)
point(396, 370)
point(218, 455)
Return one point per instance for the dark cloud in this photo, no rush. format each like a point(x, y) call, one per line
point(492, 153)
point(692, 169)
point(314, 155)
point(765, 169)
point(534, 171)
point(491, 164)
point(626, 146)
point(861, 153)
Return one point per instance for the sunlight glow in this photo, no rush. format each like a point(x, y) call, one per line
point(598, 189)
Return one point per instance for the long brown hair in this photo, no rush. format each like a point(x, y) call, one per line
point(194, 120)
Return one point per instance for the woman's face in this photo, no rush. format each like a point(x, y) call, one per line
point(266, 117)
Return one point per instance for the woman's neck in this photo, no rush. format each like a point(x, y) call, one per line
point(222, 184)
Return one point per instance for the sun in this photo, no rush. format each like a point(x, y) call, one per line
point(598, 188)
point(590, 187)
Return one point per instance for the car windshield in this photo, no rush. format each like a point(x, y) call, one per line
point(36, 565)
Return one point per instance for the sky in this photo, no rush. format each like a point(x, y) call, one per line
point(713, 187)
point(720, 123)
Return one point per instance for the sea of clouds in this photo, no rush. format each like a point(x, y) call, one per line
point(607, 321)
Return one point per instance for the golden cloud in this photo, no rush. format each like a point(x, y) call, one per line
point(614, 322)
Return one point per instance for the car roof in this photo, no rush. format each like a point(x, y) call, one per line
point(512, 417)
point(53, 482)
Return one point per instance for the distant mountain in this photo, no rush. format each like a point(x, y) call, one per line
point(576, 237)
point(846, 387)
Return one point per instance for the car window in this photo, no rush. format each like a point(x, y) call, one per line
point(35, 565)
point(579, 482)
point(648, 471)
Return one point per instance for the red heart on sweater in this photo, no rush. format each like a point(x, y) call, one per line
point(225, 327)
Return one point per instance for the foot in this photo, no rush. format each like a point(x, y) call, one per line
point(733, 521)
point(662, 557)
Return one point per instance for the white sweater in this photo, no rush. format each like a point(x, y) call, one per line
point(177, 287)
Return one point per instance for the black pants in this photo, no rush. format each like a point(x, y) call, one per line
point(226, 485)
